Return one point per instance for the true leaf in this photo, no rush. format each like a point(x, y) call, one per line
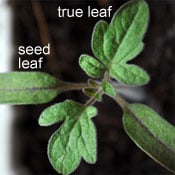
point(97, 41)
point(120, 41)
point(126, 30)
point(129, 74)
point(123, 41)
point(91, 66)
point(75, 139)
point(154, 135)
point(27, 87)
point(56, 113)
point(126, 56)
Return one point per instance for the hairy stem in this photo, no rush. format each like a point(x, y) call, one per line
point(106, 76)
point(121, 102)
point(67, 86)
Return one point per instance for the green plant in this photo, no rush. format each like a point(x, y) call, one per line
point(113, 45)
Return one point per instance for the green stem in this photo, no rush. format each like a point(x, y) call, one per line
point(106, 76)
point(67, 86)
point(121, 102)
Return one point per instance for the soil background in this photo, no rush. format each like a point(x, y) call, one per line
point(37, 23)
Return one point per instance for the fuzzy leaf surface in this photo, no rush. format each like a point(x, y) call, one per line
point(154, 135)
point(75, 139)
point(123, 39)
point(129, 74)
point(120, 41)
point(98, 40)
point(91, 66)
point(27, 87)
point(57, 113)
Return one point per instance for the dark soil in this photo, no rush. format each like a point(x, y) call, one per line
point(70, 37)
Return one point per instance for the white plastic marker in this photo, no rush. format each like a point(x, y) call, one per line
point(6, 51)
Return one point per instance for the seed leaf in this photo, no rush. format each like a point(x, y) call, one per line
point(27, 87)
point(91, 66)
point(154, 135)
point(76, 137)
point(129, 74)
point(109, 89)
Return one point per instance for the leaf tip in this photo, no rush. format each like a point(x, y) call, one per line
point(41, 121)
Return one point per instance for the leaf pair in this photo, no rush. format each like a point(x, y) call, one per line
point(75, 139)
point(117, 43)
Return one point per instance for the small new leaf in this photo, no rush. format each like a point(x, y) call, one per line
point(91, 66)
point(90, 92)
point(27, 87)
point(93, 84)
point(109, 89)
point(154, 135)
point(76, 137)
